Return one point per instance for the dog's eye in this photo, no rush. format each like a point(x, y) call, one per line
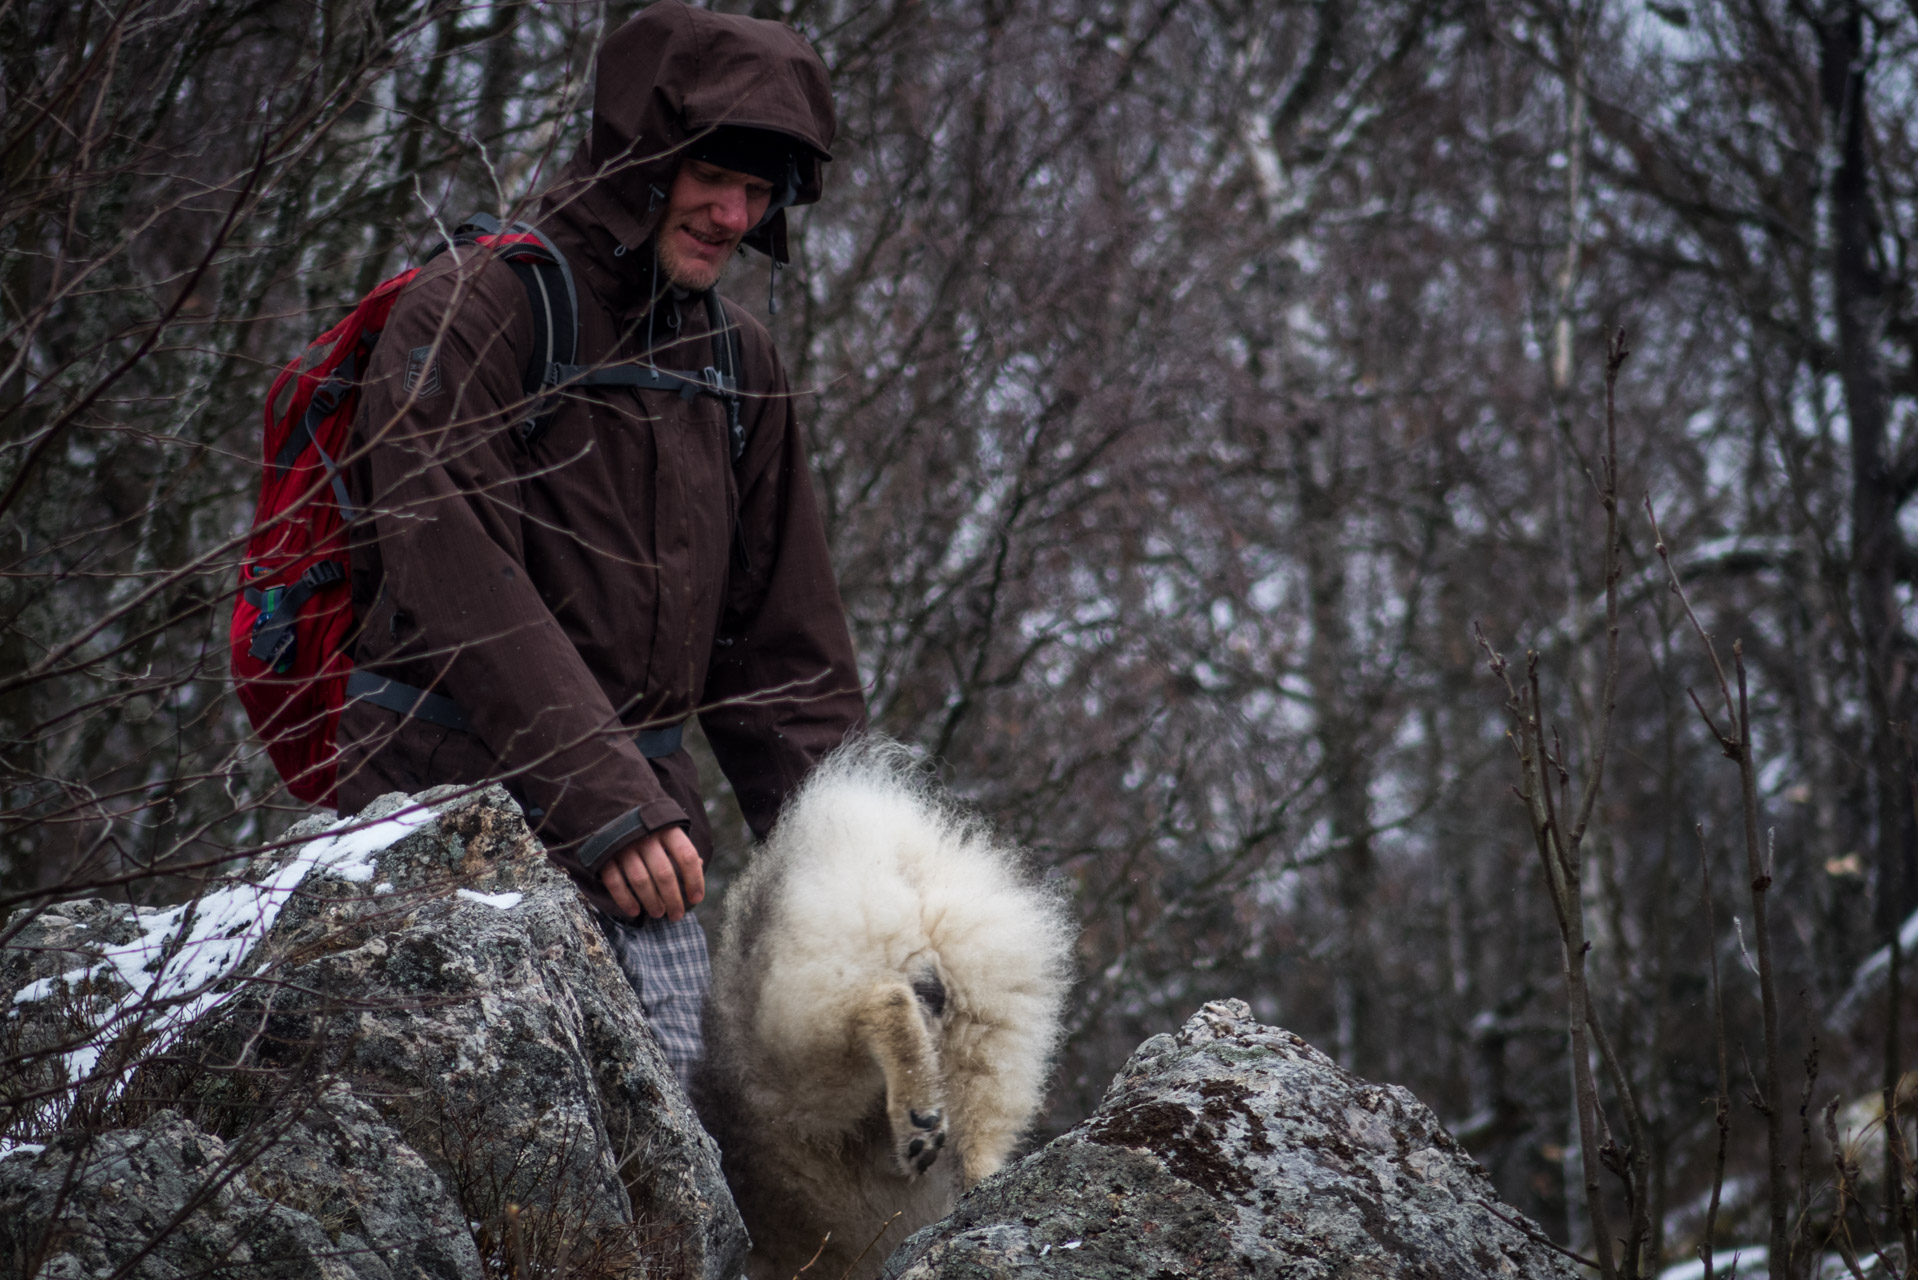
point(931, 992)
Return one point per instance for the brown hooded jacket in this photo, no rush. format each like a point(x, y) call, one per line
point(568, 592)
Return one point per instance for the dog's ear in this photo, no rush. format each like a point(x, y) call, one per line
point(931, 993)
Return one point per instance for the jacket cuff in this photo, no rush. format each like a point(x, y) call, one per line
point(626, 828)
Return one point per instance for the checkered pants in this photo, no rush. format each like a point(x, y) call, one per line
point(666, 962)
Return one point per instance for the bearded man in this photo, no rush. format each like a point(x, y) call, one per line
point(548, 608)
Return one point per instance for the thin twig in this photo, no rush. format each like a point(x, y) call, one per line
point(1736, 742)
point(1721, 1105)
point(1560, 851)
point(823, 1242)
point(1804, 1145)
point(1761, 937)
point(1899, 1162)
point(877, 1236)
point(1608, 495)
point(517, 1242)
point(1536, 1236)
point(1840, 1227)
point(1711, 652)
point(1637, 1156)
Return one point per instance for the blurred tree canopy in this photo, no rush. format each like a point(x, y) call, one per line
point(1185, 379)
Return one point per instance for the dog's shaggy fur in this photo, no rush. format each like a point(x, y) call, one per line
point(886, 995)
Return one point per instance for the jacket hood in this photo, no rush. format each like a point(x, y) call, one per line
point(669, 76)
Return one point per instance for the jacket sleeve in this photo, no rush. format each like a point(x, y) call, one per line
point(783, 687)
point(442, 469)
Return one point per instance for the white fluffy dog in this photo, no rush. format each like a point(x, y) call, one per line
point(886, 994)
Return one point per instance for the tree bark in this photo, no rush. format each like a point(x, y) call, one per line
point(1339, 728)
point(1877, 550)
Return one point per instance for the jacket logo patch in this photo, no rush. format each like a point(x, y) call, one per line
point(422, 373)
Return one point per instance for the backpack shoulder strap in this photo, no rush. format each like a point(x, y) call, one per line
point(727, 362)
point(548, 280)
point(726, 355)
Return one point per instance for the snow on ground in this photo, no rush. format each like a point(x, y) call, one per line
point(1752, 1261)
point(503, 901)
point(174, 968)
point(1872, 973)
point(44, 987)
point(1749, 1261)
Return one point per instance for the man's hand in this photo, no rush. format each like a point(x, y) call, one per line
point(657, 873)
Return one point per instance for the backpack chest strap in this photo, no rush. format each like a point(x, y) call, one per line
point(708, 381)
point(719, 380)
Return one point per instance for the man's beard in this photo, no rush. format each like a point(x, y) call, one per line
point(687, 272)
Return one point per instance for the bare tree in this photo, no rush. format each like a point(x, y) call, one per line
point(1184, 380)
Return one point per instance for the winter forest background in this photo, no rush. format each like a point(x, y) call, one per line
point(1187, 380)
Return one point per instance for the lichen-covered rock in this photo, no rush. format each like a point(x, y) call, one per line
point(427, 956)
point(384, 1209)
point(169, 1199)
point(1235, 1149)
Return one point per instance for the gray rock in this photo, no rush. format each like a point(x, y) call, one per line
point(402, 1049)
point(403, 1023)
point(384, 1209)
point(168, 1199)
point(1235, 1149)
point(57, 991)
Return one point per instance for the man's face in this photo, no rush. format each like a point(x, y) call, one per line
point(707, 211)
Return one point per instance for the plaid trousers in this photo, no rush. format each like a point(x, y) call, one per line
point(666, 963)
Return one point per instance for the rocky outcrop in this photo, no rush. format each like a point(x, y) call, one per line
point(396, 1047)
point(399, 1047)
point(1232, 1150)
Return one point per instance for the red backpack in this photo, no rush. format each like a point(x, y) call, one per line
point(293, 618)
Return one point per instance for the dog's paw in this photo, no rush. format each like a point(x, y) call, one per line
point(919, 1140)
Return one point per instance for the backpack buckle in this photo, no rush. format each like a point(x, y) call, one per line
point(272, 644)
point(273, 630)
point(728, 392)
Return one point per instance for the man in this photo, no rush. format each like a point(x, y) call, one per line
point(549, 611)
